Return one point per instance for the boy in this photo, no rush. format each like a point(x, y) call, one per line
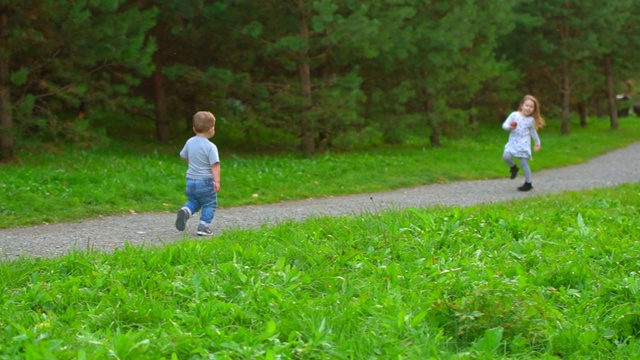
point(203, 174)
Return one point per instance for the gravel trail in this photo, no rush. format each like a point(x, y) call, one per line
point(155, 229)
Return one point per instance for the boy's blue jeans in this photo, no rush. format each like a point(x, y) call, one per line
point(200, 194)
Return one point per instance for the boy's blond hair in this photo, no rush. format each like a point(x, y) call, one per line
point(203, 121)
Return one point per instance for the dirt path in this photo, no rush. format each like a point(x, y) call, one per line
point(109, 233)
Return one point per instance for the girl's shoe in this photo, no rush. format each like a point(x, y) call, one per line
point(514, 171)
point(526, 187)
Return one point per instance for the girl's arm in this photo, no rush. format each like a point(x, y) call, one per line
point(536, 138)
point(506, 125)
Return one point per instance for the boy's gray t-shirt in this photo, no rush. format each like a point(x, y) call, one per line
point(201, 154)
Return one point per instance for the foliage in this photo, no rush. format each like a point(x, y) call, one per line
point(311, 74)
point(445, 54)
point(60, 71)
point(560, 47)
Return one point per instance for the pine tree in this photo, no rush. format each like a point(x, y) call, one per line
point(438, 55)
point(64, 56)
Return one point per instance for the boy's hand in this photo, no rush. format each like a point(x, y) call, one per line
point(216, 186)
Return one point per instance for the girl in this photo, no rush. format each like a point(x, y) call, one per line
point(523, 125)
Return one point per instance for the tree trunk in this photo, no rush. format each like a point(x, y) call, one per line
point(308, 137)
point(473, 118)
point(566, 101)
point(611, 92)
point(306, 124)
point(432, 120)
point(162, 121)
point(435, 135)
point(582, 110)
point(7, 151)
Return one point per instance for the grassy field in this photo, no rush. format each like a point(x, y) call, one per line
point(552, 277)
point(57, 184)
point(548, 277)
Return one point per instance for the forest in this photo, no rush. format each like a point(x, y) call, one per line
point(308, 75)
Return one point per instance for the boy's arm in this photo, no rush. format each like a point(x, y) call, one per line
point(215, 170)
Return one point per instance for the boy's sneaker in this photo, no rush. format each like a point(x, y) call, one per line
point(181, 219)
point(203, 230)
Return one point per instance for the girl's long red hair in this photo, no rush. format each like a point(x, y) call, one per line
point(539, 121)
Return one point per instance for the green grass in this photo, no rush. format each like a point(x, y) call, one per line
point(551, 277)
point(70, 184)
point(547, 277)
